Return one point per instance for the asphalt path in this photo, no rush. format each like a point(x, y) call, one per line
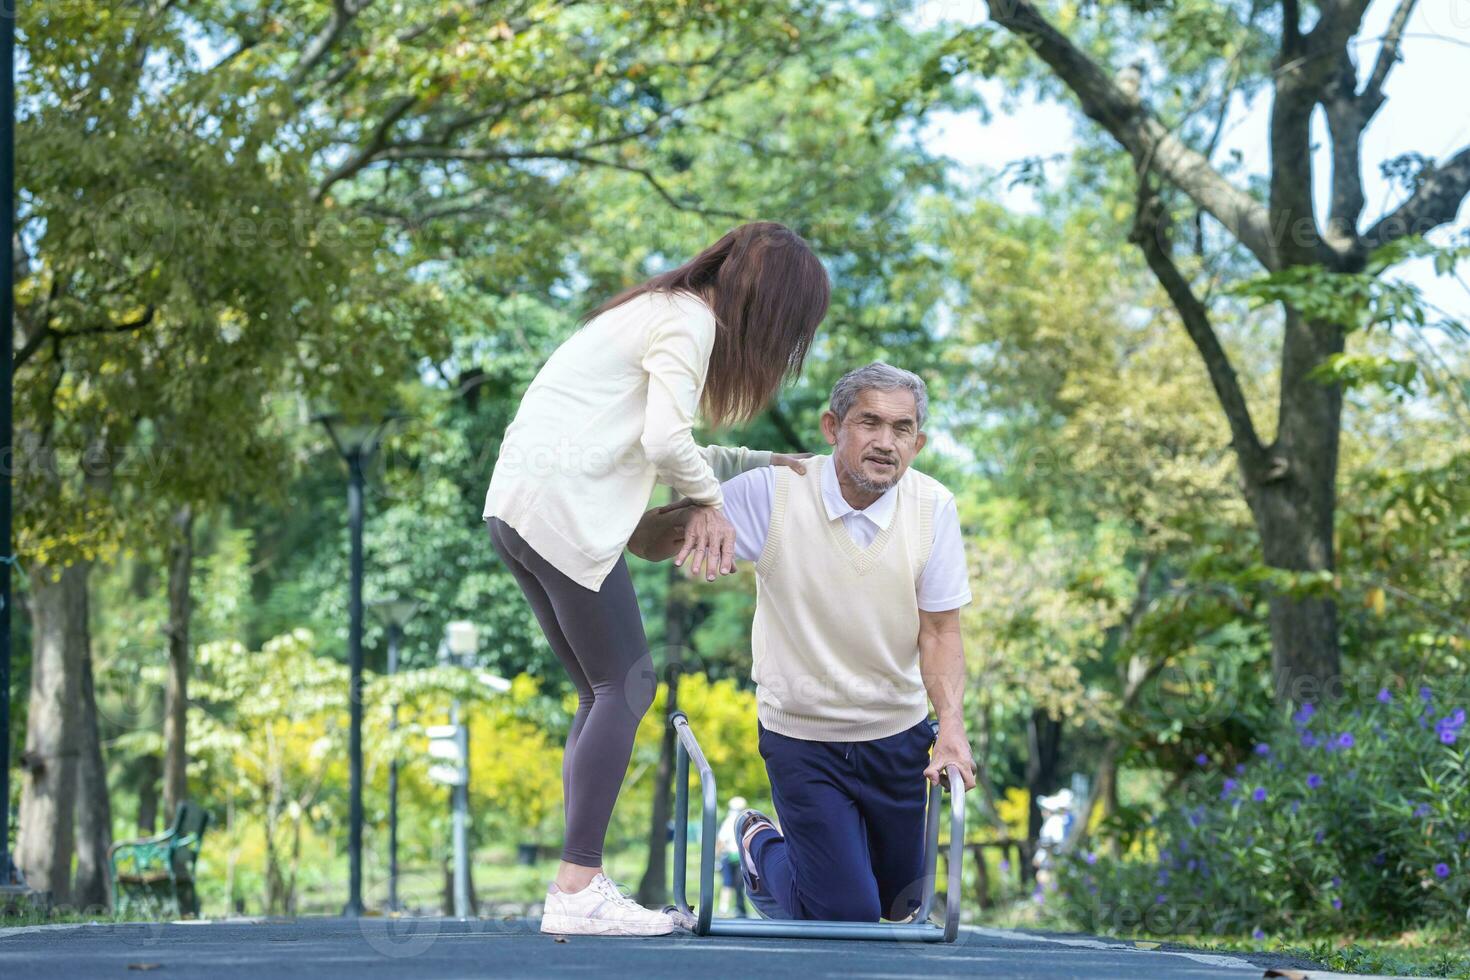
point(328, 949)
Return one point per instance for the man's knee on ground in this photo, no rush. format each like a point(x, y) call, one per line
point(854, 905)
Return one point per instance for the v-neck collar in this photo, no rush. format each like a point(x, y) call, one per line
point(863, 559)
point(879, 512)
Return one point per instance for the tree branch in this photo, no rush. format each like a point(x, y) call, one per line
point(32, 344)
point(46, 333)
point(1388, 56)
point(371, 148)
point(1313, 69)
point(1435, 203)
point(1291, 23)
point(317, 49)
point(1150, 233)
point(1345, 124)
point(1134, 127)
point(1348, 114)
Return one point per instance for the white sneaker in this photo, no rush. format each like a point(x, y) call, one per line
point(600, 909)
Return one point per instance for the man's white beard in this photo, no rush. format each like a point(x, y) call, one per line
point(861, 481)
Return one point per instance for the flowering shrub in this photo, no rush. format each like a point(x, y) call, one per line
point(1350, 818)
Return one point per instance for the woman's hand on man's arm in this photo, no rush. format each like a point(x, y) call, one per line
point(660, 532)
point(684, 531)
point(709, 543)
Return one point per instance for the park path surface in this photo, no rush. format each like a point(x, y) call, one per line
point(324, 949)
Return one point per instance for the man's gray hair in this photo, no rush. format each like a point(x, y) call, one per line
point(883, 377)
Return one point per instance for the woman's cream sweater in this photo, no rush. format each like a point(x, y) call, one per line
point(609, 415)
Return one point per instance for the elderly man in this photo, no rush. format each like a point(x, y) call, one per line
point(860, 576)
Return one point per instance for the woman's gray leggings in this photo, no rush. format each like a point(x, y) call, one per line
point(599, 639)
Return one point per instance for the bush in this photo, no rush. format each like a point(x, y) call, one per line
point(1350, 818)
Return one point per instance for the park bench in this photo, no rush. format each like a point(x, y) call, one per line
point(160, 870)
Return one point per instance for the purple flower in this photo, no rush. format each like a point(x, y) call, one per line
point(1090, 857)
point(1313, 780)
point(1158, 900)
point(1345, 740)
point(1337, 904)
point(1385, 696)
point(1240, 768)
point(1304, 714)
point(1258, 933)
point(1259, 795)
point(1227, 789)
point(1319, 836)
point(1422, 810)
point(1448, 727)
point(1309, 741)
point(1380, 859)
point(1426, 694)
point(1202, 759)
point(1262, 748)
point(1336, 881)
point(1441, 870)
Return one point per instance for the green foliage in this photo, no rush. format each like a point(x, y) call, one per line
point(1350, 818)
point(1354, 301)
point(515, 766)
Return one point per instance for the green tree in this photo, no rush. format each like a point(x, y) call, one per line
point(1320, 276)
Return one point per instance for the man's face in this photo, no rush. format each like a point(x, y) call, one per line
point(873, 445)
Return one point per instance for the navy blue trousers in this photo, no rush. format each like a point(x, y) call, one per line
point(852, 820)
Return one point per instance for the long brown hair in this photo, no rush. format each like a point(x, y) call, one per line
point(769, 293)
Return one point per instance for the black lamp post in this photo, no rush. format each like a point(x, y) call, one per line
point(355, 439)
point(395, 614)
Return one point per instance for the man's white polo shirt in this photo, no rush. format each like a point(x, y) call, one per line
point(944, 584)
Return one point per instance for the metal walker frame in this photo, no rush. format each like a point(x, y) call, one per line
point(919, 930)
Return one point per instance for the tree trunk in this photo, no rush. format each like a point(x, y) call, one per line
point(1044, 747)
point(1104, 792)
point(150, 767)
point(1294, 509)
point(94, 809)
point(45, 842)
point(176, 694)
point(653, 890)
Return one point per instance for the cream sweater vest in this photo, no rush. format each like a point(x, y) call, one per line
point(836, 630)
